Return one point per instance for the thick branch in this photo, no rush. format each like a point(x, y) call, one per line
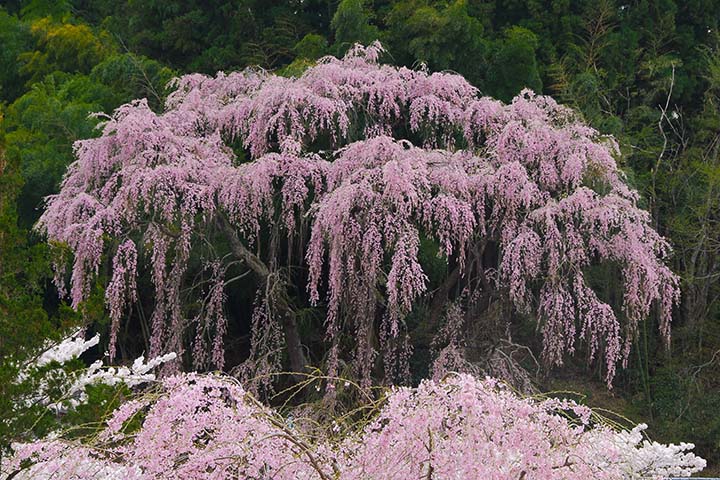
point(240, 251)
point(279, 301)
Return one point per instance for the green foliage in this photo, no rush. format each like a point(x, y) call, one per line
point(25, 323)
point(85, 419)
point(29, 393)
point(41, 127)
point(23, 271)
point(445, 36)
point(62, 47)
point(131, 76)
point(311, 47)
point(296, 68)
point(351, 25)
point(685, 406)
point(15, 38)
point(58, 9)
point(513, 65)
point(207, 36)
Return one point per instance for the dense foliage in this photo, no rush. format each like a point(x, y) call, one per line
point(647, 72)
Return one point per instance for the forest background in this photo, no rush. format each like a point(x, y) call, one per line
point(647, 72)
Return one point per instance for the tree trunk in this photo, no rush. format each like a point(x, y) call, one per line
point(296, 356)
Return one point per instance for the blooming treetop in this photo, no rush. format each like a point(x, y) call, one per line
point(357, 163)
point(207, 427)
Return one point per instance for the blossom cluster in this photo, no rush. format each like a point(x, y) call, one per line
point(73, 383)
point(208, 427)
point(70, 347)
point(96, 374)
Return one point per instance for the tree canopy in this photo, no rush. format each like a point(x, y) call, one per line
point(522, 193)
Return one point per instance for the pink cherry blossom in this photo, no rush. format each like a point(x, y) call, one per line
point(200, 427)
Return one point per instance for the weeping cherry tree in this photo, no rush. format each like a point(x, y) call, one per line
point(326, 186)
